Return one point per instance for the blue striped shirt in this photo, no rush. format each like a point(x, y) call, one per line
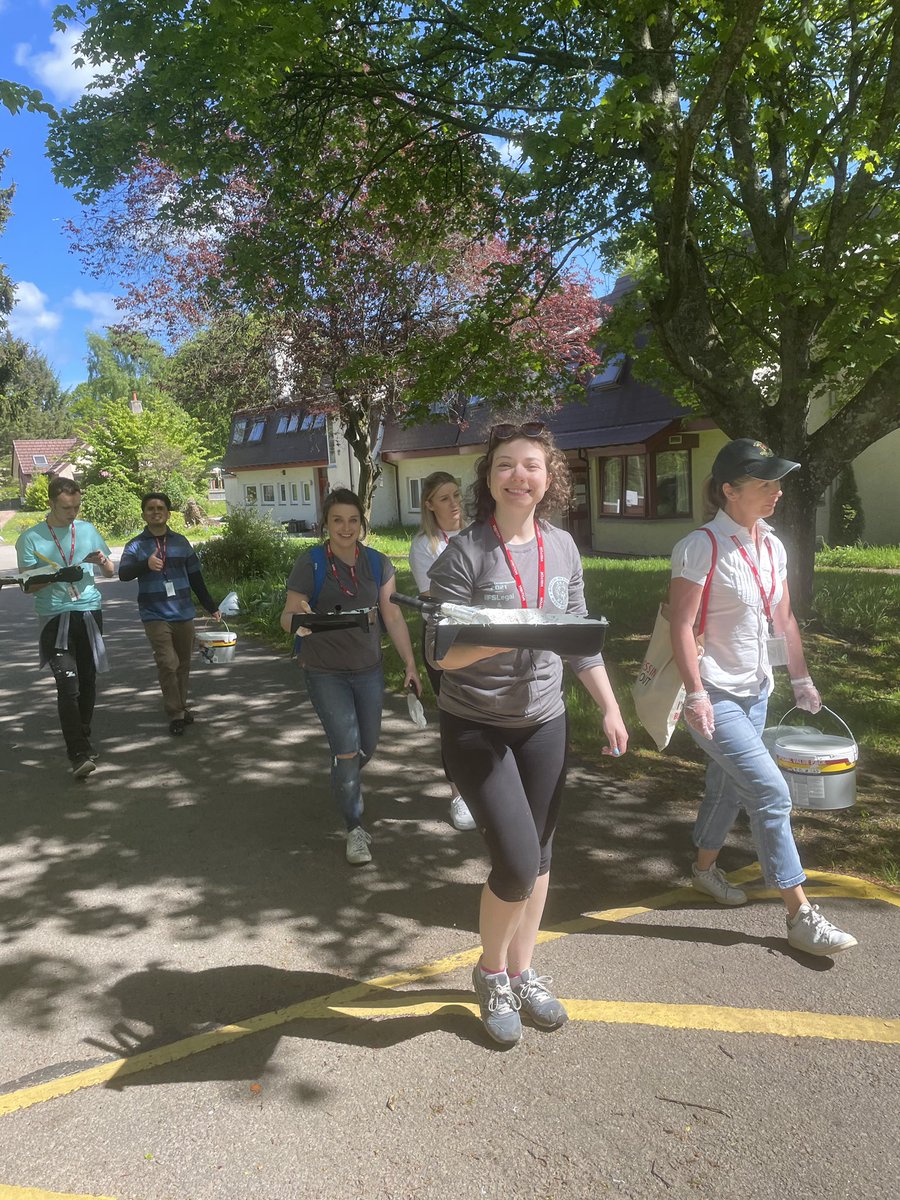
point(182, 570)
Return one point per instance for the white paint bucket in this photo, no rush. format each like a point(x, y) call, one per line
point(820, 768)
point(216, 647)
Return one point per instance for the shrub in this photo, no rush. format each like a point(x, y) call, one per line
point(37, 498)
point(251, 548)
point(846, 521)
point(114, 508)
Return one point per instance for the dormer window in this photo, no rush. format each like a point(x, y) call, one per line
point(40, 460)
point(611, 372)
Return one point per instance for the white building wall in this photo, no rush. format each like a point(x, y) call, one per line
point(292, 491)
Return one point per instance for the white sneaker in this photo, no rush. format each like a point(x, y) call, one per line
point(460, 817)
point(358, 851)
point(712, 882)
point(811, 932)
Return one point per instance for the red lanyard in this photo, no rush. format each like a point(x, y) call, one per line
point(517, 579)
point(161, 549)
point(351, 567)
point(766, 600)
point(67, 562)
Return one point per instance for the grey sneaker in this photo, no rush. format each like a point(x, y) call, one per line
point(460, 817)
point(712, 882)
point(358, 851)
point(537, 1001)
point(499, 1006)
point(811, 932)
point(83, 766)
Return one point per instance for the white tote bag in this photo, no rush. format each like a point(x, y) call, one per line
point(658, 691)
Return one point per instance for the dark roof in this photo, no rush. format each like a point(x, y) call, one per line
point(303, 447)
point(627, 412)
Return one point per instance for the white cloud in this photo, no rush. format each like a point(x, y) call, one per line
point(101, 306)
point(31, 316)
point(55, 68)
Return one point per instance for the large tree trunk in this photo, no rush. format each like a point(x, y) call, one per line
point(795, 524)
point(358, 423)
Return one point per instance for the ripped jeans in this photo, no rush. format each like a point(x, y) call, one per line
point(348, 703)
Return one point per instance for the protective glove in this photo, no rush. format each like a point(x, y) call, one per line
point(806, 697)
point(698, 713)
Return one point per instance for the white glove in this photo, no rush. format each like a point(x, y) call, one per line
point(698, 713)
point(806, 697)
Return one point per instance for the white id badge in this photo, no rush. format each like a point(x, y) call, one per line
point(776, 647)
point(170, 591)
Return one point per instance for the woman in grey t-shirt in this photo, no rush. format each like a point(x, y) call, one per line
point(503, 720)
point(343, 673)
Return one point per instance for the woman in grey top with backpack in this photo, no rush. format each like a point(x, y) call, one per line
point(342, 669)
point(503, 719)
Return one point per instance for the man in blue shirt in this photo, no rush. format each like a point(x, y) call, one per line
point(71, 623)
point(167, 569)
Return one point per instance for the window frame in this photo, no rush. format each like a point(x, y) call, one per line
point(248, 488)
point(648, 458)
point(414, 482)
point(268, 487)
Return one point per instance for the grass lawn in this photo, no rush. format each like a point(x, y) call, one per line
point(24, 520)
point(853, 649)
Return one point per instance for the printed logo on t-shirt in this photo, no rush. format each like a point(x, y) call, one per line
point(559, 592)
point(499, 594)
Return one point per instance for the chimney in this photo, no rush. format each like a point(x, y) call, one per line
point(135, 405)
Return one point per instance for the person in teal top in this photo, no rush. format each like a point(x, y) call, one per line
point(71, 623)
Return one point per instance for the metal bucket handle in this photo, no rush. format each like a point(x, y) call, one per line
point(221, 621)
point(824, 708)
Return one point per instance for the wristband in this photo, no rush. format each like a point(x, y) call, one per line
point(700, 695)
point(801, 682)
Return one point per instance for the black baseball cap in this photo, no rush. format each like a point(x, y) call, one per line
point(744, 456)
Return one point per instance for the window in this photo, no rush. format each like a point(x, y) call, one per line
point(332, 445)
point(240, 428)
point(287, 423)
point(250, 495)
point(307, 494)
point(306, 423)
point(256, 430)
point(282, 492)
point(216, 483)
point(268, 493)
point(40, 460)
point(319, 421)
point(610, 373)
point(624, 488)
point(672, 483)
point(414, 490)
point(294, 497)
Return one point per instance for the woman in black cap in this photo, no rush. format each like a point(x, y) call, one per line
point(749, 629)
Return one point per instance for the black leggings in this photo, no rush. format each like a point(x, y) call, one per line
point(76, 680)
point(512, 780)
point(434, 678)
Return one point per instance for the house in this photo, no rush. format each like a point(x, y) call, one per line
point(277, 462)
point(42, 456)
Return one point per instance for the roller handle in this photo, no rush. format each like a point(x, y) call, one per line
point(424, 606)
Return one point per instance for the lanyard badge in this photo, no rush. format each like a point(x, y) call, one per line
point(776, 643)
point(74, 594)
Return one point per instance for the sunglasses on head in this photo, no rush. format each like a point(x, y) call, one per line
point(504, 433)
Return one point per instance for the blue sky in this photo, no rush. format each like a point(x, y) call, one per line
point(57, 303)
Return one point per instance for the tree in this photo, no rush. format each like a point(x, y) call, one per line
point(373, 325)
point(142, 446)
point(740, 161)
point(8, 348)
point(32, 403)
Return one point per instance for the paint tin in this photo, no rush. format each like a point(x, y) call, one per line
point(820, 768)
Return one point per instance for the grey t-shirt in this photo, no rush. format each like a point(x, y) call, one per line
point(522, 687)
point(346, 649)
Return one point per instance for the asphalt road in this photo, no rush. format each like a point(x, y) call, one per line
point(200, 999)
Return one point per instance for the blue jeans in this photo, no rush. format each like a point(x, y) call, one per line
point(742, 774)
point(348, 703)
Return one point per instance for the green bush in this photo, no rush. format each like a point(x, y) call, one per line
point(37, 498)
point(846, 522)
point(250, 548)
point(177, 523)
point(114, 508)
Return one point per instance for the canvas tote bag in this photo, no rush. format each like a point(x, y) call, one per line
point(658, 691)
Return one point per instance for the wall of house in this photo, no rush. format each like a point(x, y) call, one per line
point(460, 466)
point(304, 508)
point(873, 470)
point(641, 536)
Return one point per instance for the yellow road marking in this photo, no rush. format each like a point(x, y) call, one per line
point(24, 1193)
point(342, 1001)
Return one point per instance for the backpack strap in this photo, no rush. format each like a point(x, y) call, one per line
point(376, 565)
point(704, 599)
point(317, 558)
